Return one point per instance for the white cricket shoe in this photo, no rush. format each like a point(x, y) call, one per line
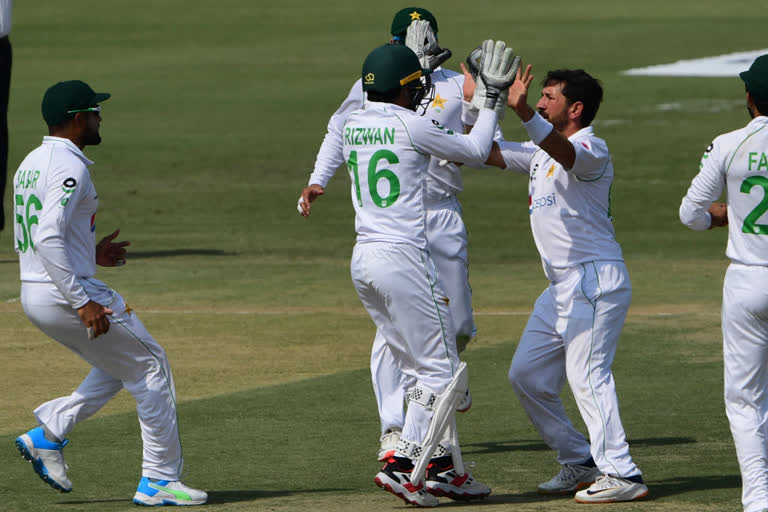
point(395, 477)
point(571, 478)
point(442, 480)
point(389, 441)
point(46, 458)
point(167, 492)
point(609, 489)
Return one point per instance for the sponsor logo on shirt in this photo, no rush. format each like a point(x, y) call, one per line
point(541, 202)
point(93, 222)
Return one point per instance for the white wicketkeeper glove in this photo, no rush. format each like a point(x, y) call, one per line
point(421, 39)
point(497, 70)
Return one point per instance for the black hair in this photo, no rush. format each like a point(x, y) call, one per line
point(578, 85)
point(761, 104)
point(384, 97)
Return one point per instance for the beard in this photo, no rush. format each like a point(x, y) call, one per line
point(93, 139)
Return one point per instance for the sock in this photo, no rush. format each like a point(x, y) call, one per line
point(590, 463)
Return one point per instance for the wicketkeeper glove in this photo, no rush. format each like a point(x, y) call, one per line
point(497, 70)
point(421, 39)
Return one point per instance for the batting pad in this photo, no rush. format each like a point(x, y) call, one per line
point(444, 412)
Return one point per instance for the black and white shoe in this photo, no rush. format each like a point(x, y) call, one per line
point(395, 477)
point(442, 480)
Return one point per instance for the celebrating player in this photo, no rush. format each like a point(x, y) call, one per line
point(55, 237)
point(387, 148)
point(417, 29)
point(575, 325)
point(738, 161)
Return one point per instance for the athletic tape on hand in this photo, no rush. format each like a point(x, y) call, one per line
point(90, 333)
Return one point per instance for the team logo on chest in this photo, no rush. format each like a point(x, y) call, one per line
point(551, 171)
point(438, 103)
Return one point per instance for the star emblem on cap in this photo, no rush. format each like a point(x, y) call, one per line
point(415, 15)
point(438, 102)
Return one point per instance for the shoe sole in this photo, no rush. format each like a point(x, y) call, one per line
point(450, 493)
point(391, 490)
point(563, 492)
point(38, 466)
point(149, 501)
point(613, 500)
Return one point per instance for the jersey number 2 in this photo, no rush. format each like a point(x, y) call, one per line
point(374, 176)
point(750, 225)
point(27, 221)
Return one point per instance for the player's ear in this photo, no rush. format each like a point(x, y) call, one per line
point(575, 110)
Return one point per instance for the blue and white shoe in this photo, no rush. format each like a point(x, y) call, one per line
point(46, 458)
point(167, 492)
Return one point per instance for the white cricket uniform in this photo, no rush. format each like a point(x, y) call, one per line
point(738, 162)
point(55, 207)
point(576, 322)
point(446, 233)
point(387, 149)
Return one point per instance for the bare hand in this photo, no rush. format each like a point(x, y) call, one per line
point(518, 91)
point(110, 254)
point(309, 194)
point(94, 316)
point(469, 83)
point(719, 214)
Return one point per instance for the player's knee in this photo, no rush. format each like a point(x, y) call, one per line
point(521, 377)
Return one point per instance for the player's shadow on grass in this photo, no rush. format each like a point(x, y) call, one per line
point(684, 484)
point(139, 255)
point(524, 445)
point(222, 497)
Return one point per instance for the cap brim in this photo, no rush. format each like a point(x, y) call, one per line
point(100, 96)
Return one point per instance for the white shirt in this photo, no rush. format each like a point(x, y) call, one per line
point(387, 149)
point(445, 109)
point(55, 208)
point(570, 209)
point(737, 161)
point(6, 6)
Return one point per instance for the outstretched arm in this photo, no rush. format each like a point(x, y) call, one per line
point(541, 131)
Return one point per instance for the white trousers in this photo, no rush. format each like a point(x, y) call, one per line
point(397, 284)
point(447, 237)
point(745, 356)
point(572, 335)
point(125, 357)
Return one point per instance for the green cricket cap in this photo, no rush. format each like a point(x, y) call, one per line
point(404, 18)
point(62, 98)
point(390, 67)
point(756, 78)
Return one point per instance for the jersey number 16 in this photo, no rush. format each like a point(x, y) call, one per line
point(374, 176)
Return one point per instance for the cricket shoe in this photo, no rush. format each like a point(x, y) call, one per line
point(609, 489)
point(46, 458)
point(389, 441)
point(395, 477)
point(167, 492)
point(466, 402)
point(442, 480)
point(571, 478)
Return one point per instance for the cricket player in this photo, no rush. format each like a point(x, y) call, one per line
point(738, 162)
point(446, 234)
point(574, 329)
point(55, 205)
point(388, 151)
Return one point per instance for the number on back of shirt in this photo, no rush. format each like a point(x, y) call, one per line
point(750, 221)
point(26, 219)
point(376, 187)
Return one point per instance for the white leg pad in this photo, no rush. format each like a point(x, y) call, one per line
point(444, 412)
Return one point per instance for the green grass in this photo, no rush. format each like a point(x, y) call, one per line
point(217, 112)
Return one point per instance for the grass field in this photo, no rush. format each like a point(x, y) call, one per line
point(217, 112)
